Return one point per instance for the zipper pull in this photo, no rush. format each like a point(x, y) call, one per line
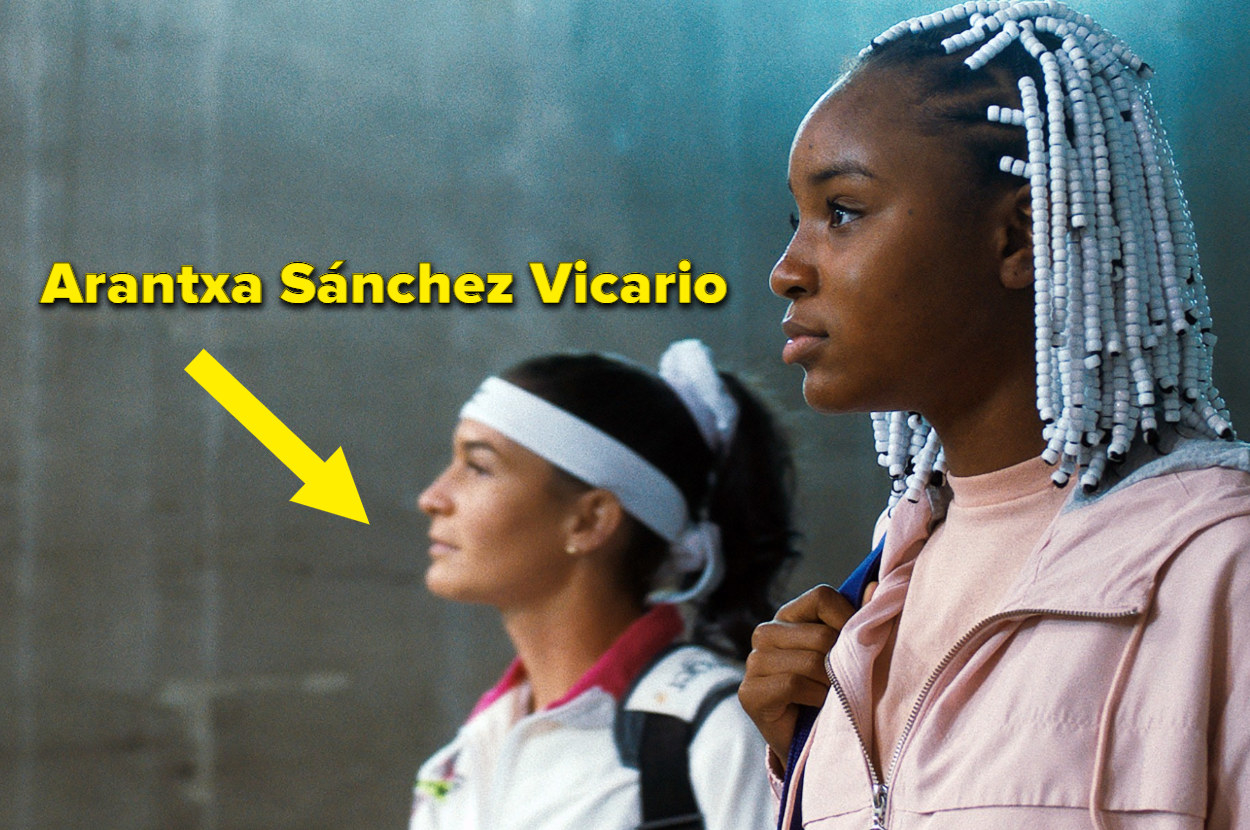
point(880, 796)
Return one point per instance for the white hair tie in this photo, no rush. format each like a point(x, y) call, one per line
point(698, 550)
point(687, 367)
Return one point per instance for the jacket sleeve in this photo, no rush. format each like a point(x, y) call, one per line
point(730, 783)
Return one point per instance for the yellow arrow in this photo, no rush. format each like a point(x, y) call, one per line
point(328, 484)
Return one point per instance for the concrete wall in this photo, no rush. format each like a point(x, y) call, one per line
point(183, 648)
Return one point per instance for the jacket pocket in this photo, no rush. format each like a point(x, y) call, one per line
point(1024, 730)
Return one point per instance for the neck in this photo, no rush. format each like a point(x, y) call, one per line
point(560, 641)
point(999, 430)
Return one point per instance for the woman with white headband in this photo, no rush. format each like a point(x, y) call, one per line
point(993, 255)
point(585, 498)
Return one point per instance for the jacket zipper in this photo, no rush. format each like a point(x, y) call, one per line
point(881, 787)
point(880, 792)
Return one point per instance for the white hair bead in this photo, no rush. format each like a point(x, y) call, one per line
point(1121, 316)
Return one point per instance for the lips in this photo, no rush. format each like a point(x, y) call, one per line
point(802, 340)
point(440, 548)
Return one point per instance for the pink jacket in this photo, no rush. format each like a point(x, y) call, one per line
point(1111, 689)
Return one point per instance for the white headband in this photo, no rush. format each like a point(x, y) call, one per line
point(600, 460)
point(583, 450)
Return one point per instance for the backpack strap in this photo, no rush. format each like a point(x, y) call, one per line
point(655, 723)
point(852, 588)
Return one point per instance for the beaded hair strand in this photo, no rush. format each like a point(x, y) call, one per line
point(1123, 328)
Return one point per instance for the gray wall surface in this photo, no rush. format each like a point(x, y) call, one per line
point(184, 648)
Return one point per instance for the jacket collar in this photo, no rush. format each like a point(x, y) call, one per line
point(616, 668)
point(1102, 552)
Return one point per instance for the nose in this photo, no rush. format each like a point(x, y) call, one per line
point(435, 500)
point(793, 276)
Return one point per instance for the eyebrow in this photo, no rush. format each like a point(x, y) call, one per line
point(842, 168)
point(835, 171)
point(471, 446)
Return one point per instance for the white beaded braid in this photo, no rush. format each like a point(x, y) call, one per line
point(1123, 326)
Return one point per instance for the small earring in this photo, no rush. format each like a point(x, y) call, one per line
point(570, 549)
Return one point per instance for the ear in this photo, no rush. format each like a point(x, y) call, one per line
point(1016, 270)
point(595, 519)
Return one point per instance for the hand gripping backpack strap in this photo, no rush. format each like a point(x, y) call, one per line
point(853, 589)
point(657, 720)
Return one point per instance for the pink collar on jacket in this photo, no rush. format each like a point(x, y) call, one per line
point(616, 668)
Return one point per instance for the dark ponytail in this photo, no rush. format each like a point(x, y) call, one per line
point(750, 499)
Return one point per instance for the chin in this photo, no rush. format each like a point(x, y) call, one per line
point(819, 405)
point(439, 583)
point(442, 582)
point(832, 398)
point(821, 395)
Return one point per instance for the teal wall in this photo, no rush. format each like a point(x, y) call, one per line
point(186, 649)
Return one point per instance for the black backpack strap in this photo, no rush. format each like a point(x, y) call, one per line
point(664, 774)
point(657, 720)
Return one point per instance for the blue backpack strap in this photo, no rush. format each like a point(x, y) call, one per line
point(852, 588)
point(867, 571)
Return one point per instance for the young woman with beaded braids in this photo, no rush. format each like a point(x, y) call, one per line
point(992, 254)
point(586, 497)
